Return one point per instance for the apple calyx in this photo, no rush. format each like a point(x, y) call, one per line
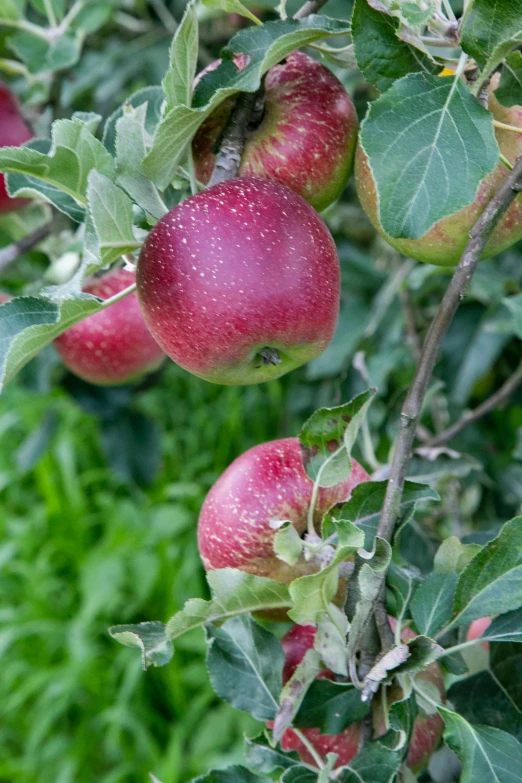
point(268, 356)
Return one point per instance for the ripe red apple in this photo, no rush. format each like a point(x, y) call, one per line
point(240, 283)
point(266, 484)
point(114, 345)
point(4, 297)
point(427, 729)
point(445, 242)
point(306, 136)
point(477, 628)
point(13, 133)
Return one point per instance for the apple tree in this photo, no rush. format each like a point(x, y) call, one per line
point(192, 211)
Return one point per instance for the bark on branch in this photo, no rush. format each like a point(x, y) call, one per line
point(16, 249)
point(455, 292)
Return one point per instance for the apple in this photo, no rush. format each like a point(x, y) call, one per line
point(427, 729)
point(13, 133)
point(477, 628)
point(445, 242)
point(114, 345)
point(240, 515)
point(4, 297)
point(239, 284)
point(305, 138)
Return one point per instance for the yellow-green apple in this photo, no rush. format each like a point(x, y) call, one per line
point(305, 138)
point(114, 345)
point(239, 284)
point(261, 488)
point(445, 242)
point(13, 133)
point(427, 729)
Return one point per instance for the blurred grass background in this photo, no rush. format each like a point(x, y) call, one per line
point(100, 489)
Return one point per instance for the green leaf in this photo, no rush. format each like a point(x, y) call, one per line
point(234, 774)
point(156, 649)
point(331, 707)
point(245, 663)
point(491, 30)
point(402, 581)
point(493, 697)
point(365, 505)
point(492, 582)
point(111, 211)
point(486, 754)
point(152, 98)
point(232, 7)
point(73, 154)
point(453, 555)
point(130, 151)
point(369, 583)
point(233, 593)
point(505, 628)
point(299, 774)
point(41, 56)
point(423, 651)
point(29, 323)
point(312, 594)
point(429, 144)
point(179, 78)
point(266, 46)
point(30, 187)
point(514, 305)
point(509, 90)
point(327, 438)
point(294, 692)
point(288, 544)
point(432, 604)
point(11, 10)
point(264, 759)
point(381, 56)
point(330, 641)
point(375, 763)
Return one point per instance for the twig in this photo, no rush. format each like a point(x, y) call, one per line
point(12, 252)
point(310, 7)
point(234, 136)
point(479, 236)
point(496, 399)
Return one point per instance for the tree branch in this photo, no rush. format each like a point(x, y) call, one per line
point(479, 236)
point(496, 399)
point(310, 7)
point(12, 252)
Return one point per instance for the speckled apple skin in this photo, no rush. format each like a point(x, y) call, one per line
point(13, 133)
point(306, 139)
point(239, 267)
point(113, 346)
point(427, 730)
point(446, 241)
point(266, 483)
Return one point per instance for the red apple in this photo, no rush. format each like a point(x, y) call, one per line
point(266, 484)
point(445, 242)
point(240, 283)
point(477, 628)
point(305, 139)
point(114, 345)
point(13, 133)
point(427, 729)
point(4, 297)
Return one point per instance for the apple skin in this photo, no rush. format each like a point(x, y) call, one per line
point(240, 268)
point(266, 483)
point(445, 242)
point(293, 144)
point(13, 133)
point(113, 346)
point(427, 730)
point(477, 628)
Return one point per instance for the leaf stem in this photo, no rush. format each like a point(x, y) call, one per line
point(310, 748)
point(49, 12)
point(506, 127)
point(459, 647)
point(120, 295)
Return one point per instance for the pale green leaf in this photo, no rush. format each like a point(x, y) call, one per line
point(111, 211)
point(179, 78)
point(150, 638)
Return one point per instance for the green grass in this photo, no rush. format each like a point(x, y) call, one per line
point(81, 550)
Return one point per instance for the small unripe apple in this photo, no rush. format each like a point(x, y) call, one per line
point(477, 628)
point(239, 284)
point(305, 137)
point(262, 487)
point(427, 729)
point(114, 345)
point(445, 242)
point(13, 133)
